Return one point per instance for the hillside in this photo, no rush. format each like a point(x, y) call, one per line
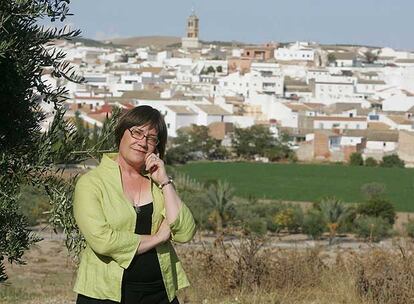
point(155, 41)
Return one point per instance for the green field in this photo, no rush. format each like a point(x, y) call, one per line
point(300, 182)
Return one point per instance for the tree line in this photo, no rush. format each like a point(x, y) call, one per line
point(196, 143)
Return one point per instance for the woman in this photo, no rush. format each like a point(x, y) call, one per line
point(128, 210)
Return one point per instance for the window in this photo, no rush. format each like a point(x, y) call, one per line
point(334, 142)
point(320, 125)
point(168, 125)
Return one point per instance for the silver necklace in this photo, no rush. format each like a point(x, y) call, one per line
point(137, 208)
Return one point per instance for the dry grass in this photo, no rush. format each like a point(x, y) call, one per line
point(242, 274)
point(48, 276)
point(244, 271)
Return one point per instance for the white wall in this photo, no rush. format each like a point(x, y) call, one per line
point(398, 103)
point(285, 54)
point(284, 115)
point(339, 124)
point(350, 140)
point(370, 88)
point(326, 91)
point(381, 146)
point(250, 83)
point(241, 121)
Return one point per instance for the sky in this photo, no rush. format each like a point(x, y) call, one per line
point(369, 22)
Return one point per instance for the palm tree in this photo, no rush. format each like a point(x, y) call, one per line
point(219, 197)
point(334, 212)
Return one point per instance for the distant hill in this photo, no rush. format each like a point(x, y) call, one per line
point(155, 41)
point(227, 43)
point(93, 43)
point(175, 42)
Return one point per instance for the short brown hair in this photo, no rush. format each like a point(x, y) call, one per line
point(141, 116)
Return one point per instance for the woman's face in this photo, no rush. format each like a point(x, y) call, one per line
point(136, 143)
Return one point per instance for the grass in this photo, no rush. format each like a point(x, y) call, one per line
point(300, 182)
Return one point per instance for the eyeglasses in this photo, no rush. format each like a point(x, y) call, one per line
point(139, 134)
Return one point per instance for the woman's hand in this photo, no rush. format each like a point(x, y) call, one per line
point(164, 232)
point(155, 166)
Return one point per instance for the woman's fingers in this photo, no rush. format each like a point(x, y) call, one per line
point(153, 161)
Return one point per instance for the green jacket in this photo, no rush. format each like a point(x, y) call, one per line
point(107, 221)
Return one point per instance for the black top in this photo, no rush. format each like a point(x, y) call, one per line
point(144, 272)
point(142, 280)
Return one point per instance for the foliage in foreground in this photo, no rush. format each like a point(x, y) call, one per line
point(27, 156)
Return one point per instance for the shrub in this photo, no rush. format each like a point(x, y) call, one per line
point(409, 228)
point(373, 190)
point(267, 212)
point(34, 204)
point(292, 157)
point(377, 207)
point(356, 159)
point(371, 162)
point(347, 223)
point(200, 211)
point(372, 228)
point(279, 152)
point(392, 161)
point(254, 209)
point(290, 218)
point(255, 225)
point(177, 155)
point(314, 224)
